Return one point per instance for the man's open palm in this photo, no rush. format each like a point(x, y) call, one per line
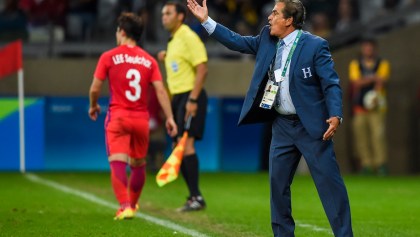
point(200, 12)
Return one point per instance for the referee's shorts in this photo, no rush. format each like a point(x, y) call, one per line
point(179, 102)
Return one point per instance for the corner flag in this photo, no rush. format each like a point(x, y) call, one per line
point(11, 58)
point(170, 169)
point(11, 62)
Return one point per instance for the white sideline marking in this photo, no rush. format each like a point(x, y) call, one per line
point(313, 227)
point(94, 199)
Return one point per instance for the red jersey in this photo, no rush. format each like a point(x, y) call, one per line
point(129, 70)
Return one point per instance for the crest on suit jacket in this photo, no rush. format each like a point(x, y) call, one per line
point(306, 72)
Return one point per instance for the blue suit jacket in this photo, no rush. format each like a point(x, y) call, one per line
point(314, 84)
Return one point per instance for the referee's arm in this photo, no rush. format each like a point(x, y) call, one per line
point(200, 77)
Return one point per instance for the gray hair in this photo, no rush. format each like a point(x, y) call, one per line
point(295, 9)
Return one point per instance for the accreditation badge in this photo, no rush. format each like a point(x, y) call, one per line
point(278, 76)
point(269, 96)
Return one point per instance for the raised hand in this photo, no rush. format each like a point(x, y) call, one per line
point(200, 12)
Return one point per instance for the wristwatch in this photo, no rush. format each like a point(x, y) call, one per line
point(192, 100)
point(339, 119)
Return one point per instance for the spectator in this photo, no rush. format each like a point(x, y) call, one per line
point(44, 12)
point(327, 7)
point(223, 9)
point(106, 16)
point(368, 75)
point(46, 18)
point(12, 22)
point(126, 5)
point(346, 15)
point(147, 11)
point(241, 15)
point(320, 25)
point(81, 19)
point(391, 5)
point(369, 9)
point(247, 15)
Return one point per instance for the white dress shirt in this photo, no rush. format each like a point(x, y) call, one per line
point(285, 104)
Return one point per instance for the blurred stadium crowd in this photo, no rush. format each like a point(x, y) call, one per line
point(94, 20)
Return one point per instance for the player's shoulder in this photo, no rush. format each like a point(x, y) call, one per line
point(134, 51)
point(142, 52)
point(114, 50)
point(111, 52)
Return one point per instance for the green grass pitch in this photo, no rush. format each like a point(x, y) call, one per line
point(238, 205)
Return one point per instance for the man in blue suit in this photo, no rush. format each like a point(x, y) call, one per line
point(295, 86)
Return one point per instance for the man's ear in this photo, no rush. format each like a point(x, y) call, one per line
point(123, 33)
point(289, 21)
point(181, 17)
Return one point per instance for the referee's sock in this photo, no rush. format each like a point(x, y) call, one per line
point(119, 182)
point(185, 173)
point(190, 170)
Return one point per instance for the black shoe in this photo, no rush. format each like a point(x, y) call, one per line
point(193, 204)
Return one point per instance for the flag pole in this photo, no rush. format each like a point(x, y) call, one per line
point(21, 120)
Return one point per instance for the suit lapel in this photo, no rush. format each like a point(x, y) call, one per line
point(269, 56)
point(296, 55)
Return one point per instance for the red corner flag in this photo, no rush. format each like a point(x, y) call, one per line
point(170, 169)
point(10, 58)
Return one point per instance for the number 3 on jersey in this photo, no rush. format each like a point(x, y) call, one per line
point(134, 76)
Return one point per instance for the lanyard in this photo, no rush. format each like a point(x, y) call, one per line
point(292, 50)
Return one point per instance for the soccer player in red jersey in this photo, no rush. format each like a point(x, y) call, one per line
point(130, 70)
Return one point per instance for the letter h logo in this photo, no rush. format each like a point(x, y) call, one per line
point(307, 72)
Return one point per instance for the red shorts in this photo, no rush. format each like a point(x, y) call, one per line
point(128, 135)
